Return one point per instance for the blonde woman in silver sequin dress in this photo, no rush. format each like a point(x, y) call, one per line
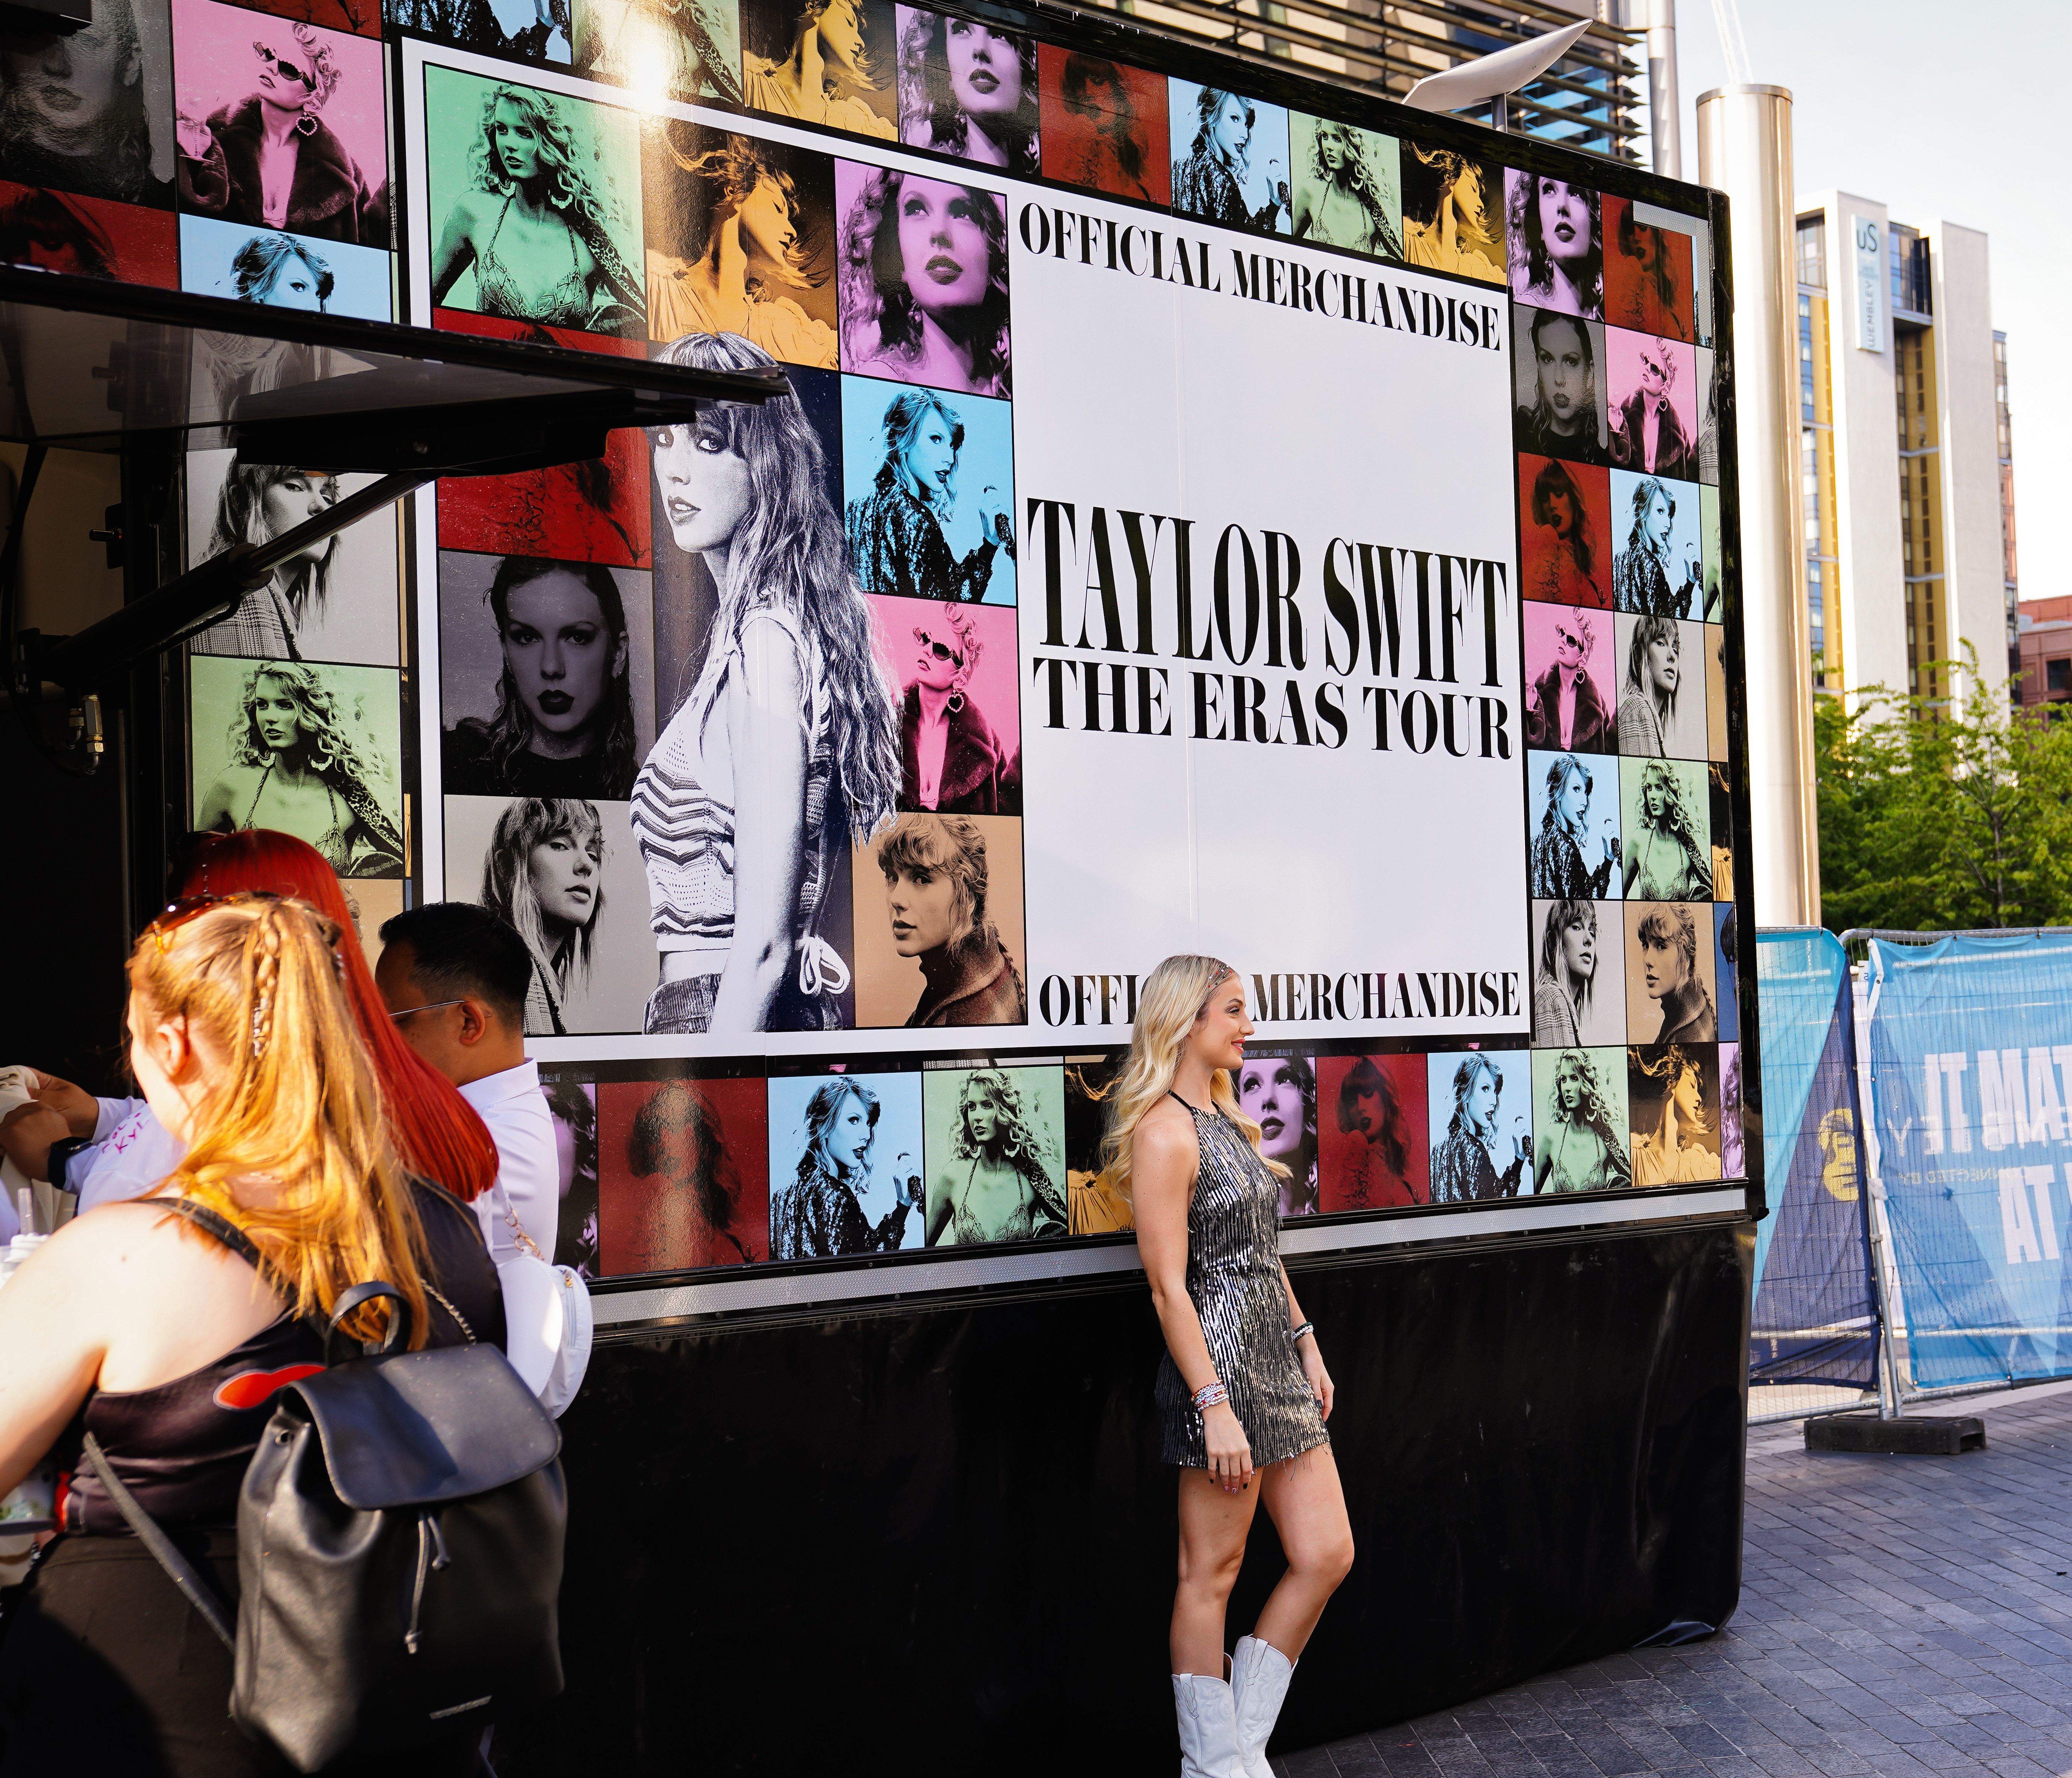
point(1243, 1393)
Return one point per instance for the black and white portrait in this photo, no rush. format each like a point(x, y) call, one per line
point(564, 874)
point(1578, 981)
point(668, 49)
point(740, 239)
point(1279, 1094)
point(930, 493)
point(1481, 1125)
point(1661, 688)
point(968, 89)
point(1580, 1116)
point(306, 748)
point(784, 749)
point(1658, 562)
point(923, 281)
point(1560, 385)
point(1574, 831)
point(846, 1164)
point(940, 911)
point(995, 1155)
point(90, 111)
point(305, 612)
point(545, 677)
point(571, 1103)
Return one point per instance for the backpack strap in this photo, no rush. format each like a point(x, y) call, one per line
point(224, 1229)
point(152, 1535)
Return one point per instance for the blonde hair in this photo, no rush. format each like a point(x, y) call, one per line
point(259, 981)
point(1171, 1000)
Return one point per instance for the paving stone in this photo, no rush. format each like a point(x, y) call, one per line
point(1900, 1617)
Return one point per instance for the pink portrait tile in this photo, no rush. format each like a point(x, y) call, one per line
point(992, 687)
point(1629, 359)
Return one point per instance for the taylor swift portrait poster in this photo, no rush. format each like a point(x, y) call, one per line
point(960, 721)
point(846, 1166)
point(683, 1175)
point(1564, 528)
point(930, 492)
point(1572, 679)
point(1372, 1154)
point(967, 88)
point(1104, 125)
point(1480, 1125)
point(939, 926)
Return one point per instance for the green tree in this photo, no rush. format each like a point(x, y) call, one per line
point(1932, 819)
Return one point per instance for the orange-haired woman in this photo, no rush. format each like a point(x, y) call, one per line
point(162, 1326)
point(110, 1149)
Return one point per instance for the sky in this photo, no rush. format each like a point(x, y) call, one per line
point(1943, 113)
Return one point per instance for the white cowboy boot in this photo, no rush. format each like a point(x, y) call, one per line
point(1209, 1746)
point(1259, 1682)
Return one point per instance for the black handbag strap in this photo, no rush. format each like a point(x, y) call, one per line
point(225, 1230)
point(152, 1535)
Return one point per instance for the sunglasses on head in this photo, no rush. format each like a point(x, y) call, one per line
point(941, 652)
point(287, 70)
point(192, 907)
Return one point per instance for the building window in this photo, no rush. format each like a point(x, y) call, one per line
point(1813, 252)
point(2058, 674)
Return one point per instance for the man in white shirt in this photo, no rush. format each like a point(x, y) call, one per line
point(454, 977)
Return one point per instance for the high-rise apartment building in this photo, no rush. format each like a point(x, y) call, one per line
point(1905, 451)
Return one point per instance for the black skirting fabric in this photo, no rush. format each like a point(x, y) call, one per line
point(105, 1669)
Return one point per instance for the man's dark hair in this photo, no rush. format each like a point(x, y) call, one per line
point(461, 949)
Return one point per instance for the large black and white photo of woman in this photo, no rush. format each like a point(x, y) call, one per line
point(938, 904)
point(1580, 1112)
point(923, 281)
point(1574, 829)
point(1561, 392)
point(1557, 245)
point(90, 110)
point(538, 679)
point(1665, 820)
point(969, 90)
point(1348, 187)
point(999, 1135)
point(672, 49)
point(1670, 974)
point(1661, 706)
point(256, 502)
point(1659, 569)
point(960, 727)
point(1578, 993)
point(845, 1176)
point(1484, 1148)
point(1230, 158)
point(255, 144)
point(306, 750)
point(823, 62)
point(740, 239)
point(543, 876)
point(785, 750)
point(1279, 1094)
point(900, 524)
point(533, 227)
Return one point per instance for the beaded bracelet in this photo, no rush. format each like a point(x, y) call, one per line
point(1307, 1326)
point(1209, 1395)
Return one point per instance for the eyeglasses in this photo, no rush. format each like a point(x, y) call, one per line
point(429, 1006)
point(941, 652)
point(287, 70)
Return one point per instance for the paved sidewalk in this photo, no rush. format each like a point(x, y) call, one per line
point(1900, 1617)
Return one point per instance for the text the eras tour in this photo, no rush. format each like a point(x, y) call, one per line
point(1138, 583)
point(1333, 291)
point(1300, 995)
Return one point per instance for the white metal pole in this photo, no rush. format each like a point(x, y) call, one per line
point(1744, 151)
point(1664, 99)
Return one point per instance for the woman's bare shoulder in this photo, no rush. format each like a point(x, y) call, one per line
point(1166, 1133)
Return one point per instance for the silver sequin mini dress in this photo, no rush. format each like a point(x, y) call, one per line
point(1233, 1281)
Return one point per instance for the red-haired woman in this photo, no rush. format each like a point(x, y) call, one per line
point(108, 1150)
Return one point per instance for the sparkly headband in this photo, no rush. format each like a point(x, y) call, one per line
point(1223, 974)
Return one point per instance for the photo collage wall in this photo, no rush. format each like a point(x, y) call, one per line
point(816, 606)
